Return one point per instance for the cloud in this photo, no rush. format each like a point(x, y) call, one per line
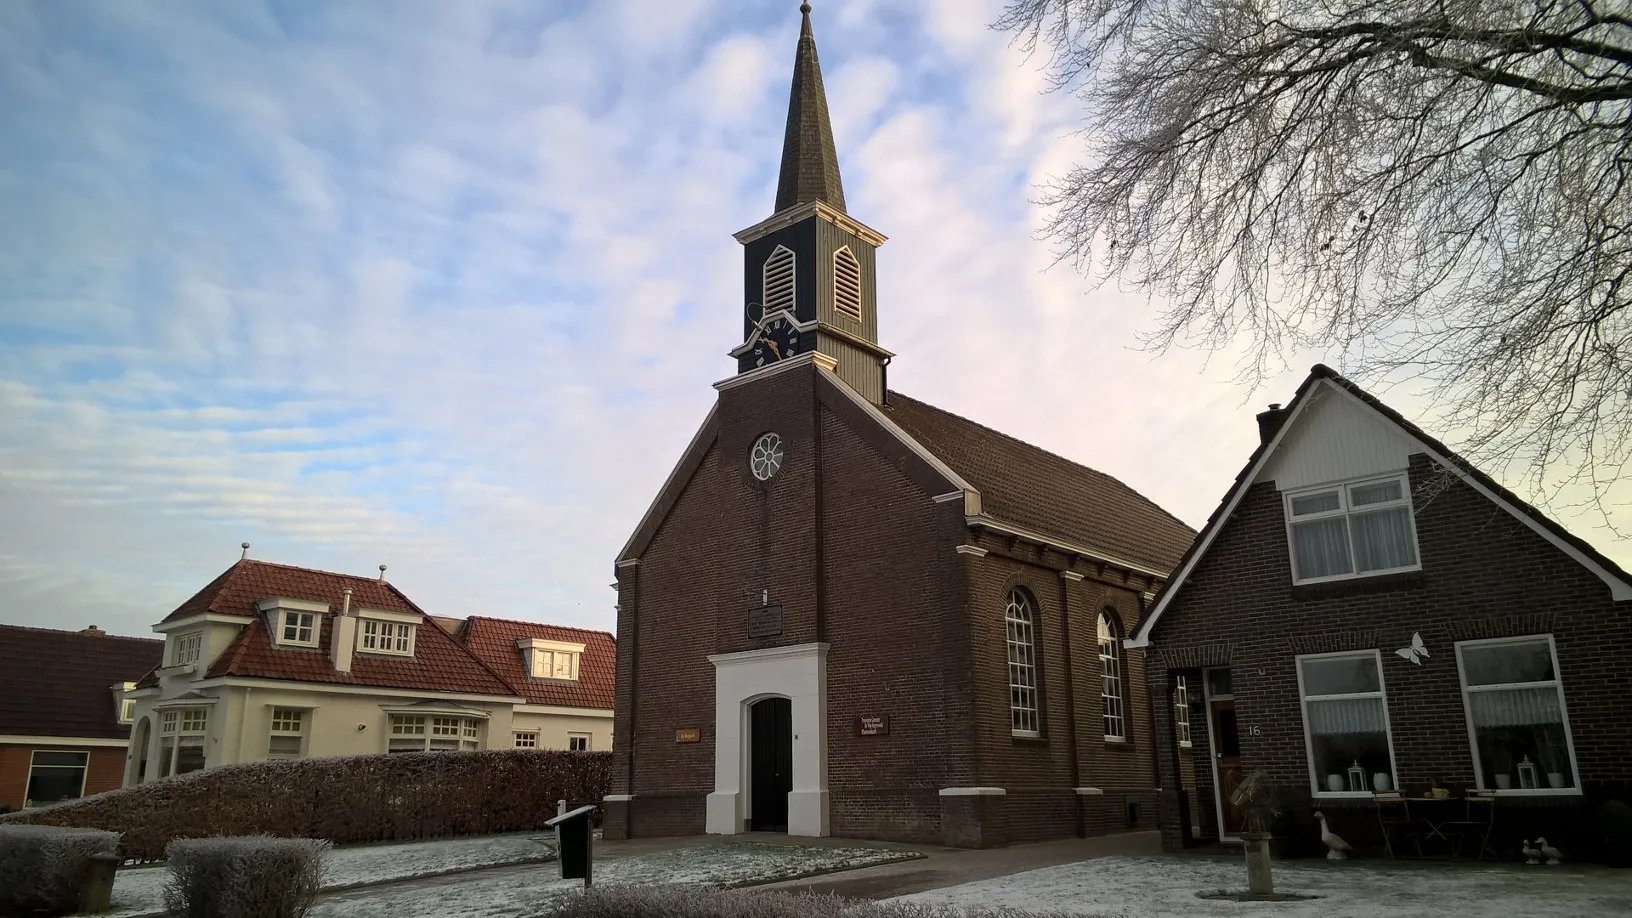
point(447, 291)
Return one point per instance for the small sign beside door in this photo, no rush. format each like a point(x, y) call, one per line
point(873, 725)
point(688, 735)
point(765, 621)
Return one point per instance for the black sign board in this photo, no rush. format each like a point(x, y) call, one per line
point(766, 621)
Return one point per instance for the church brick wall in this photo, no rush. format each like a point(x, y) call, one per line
point(1484, 574)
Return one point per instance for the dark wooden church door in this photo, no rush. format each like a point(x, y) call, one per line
point(770, 757)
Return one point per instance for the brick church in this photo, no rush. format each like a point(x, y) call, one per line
point(848, 612)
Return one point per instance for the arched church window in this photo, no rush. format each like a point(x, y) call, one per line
point(778, 281)
point(1019, 616)
point(1110, 665)
point(847, 283)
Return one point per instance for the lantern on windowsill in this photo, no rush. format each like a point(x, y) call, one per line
point(1527, 774)
point(1357, 777)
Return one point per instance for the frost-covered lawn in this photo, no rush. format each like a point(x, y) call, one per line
point(141, 891)
point(1166, 887)
point(523, 892)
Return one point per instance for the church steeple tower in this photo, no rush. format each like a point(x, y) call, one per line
point(810, 163)
point(809, 272)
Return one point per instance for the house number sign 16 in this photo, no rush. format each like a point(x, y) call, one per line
point(1252, 730)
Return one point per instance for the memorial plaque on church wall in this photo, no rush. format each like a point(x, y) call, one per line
point(872, 725)
point(765, 621)
point(688, 735)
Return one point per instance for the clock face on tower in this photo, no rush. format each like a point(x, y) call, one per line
point(778, 338)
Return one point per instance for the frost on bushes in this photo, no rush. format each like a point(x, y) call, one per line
point(703, 902)
point(42, 867)
point(255, 877)
point(383, 797)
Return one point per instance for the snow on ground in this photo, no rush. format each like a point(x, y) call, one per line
point(525, 891)
point(1166, 887)
point(141, 891)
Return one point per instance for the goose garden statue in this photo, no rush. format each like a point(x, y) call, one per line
point(1553, 855)
point(1531, 855)
point(1336, 848)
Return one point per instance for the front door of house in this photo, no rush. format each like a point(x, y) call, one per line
point(770, 764)
point(1226, 750)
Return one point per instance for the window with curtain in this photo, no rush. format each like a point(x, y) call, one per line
point(1110, 668)
point(1352, 530)
point(1345, 716)
point(1181, 711)
point(1019, 617)
point(1515, 709)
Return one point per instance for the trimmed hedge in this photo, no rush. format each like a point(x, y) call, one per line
point(257, 877)
point(700, 902)
point(43, 867)
point(343, 800)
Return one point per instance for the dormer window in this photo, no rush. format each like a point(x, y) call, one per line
point(294, 622)
point(552, 659)
point(387, 637)
point(187, 648)
point(1356, 529)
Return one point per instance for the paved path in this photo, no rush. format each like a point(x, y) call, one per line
point(950, 866)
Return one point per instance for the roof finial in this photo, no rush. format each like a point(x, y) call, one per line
point(245, 555)
point(810, 166)
point(382, 573)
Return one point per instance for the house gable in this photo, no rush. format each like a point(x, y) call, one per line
point(1335, 431)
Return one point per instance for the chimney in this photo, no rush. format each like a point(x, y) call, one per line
point(344, 639)
point(93, 630)
point(1269, 422)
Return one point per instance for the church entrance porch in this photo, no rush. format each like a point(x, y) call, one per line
point(770, 754)
point(770, 741)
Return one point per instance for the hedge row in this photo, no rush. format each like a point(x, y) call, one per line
point(344, 800)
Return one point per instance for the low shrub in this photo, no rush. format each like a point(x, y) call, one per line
point(256, 877)
point(345, 800)
point(701, 902)
point(42, 867)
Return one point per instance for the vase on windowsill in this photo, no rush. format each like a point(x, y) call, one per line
point(1556, 779)
point(1504, 782)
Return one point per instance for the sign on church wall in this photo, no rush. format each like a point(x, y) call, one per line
point(873, 725)
point(688, 735)
point(765, 621)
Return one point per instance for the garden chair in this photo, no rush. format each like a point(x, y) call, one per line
point(1394, 817)
point(1478, 823)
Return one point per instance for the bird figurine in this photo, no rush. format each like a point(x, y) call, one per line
point(1531, 855)
point(1553, 855)
point(1336, 848)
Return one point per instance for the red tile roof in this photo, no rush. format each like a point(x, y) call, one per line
point(57, 683)
point(440, 663)
point(494, 640)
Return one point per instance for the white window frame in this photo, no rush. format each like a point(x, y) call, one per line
point(84, 772)
point(1563, 710)
point(463, 732)
point(588, 739)
point(1345, 510)
point(1181, 712)
point(847, 283)
point(127, 710)
point(779, 273)
point(525, 739)
point(1115, 722)
point(541, 654)
point(188, 649)
point(1020, 633)
point(294, 618)
point(181, 727)
point(1320, 792)
point(301, 715)
point(390, 638)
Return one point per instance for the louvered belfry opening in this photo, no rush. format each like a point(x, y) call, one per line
point(779, 275)
point(847, 283)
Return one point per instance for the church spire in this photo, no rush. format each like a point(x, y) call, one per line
point(810, 164)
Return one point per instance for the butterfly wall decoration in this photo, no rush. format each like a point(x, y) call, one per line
point(1416, 653)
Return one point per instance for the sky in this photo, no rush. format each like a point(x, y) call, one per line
point(444, 286)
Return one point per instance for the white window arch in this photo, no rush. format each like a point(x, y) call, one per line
point(777, 277)
point(847, 283)
point(1020, 617)
point(1110, 664)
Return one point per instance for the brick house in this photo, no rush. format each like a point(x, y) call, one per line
point(849, 612)
point(64, 718)
point(1366, 610)
point(274, 661)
